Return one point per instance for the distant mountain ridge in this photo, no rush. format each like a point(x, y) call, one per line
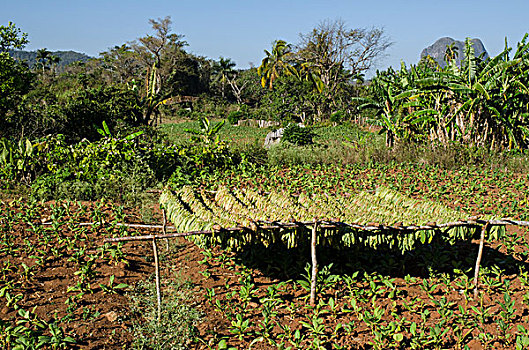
point(437, 50)
point(66, 57)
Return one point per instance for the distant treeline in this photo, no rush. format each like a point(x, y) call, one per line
point(66, 57)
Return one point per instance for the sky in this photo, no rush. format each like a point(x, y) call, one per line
point(241, 30)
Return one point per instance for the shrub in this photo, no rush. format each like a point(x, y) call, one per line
point(235, 116)
point(74, 113)
point(184, 113)
point(298, 135)
point(337, 117)
point(110, 168)
point(177, 327)
point(122, 168)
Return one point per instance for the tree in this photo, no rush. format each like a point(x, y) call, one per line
point(237, 87)
point(331, 58)
point(160, 50)
point(156, 46)
point(15, 77)
point(332, 44)
point(335, 54)
point(168, 71)
point(54, 62)
point(43, 59)
point(121, 64)
point(485, 103)
point(276, 63)
point(451, 54)
point(12, 38)
point(246, 86)
point(292, 100)
point(223, 72)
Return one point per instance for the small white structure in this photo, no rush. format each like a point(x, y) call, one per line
point(273, 137)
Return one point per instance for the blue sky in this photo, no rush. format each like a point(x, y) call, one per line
point(241, 30)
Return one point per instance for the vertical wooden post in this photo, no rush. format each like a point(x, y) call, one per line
point(164, 227)
point(314, 273)
point(157, 268)
point(478, 260)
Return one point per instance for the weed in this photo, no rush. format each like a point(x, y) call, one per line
point(175, 329)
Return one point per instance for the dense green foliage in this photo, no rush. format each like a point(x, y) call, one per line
point(483, 103)
point(297, 135)
point(127, 87)
point(114, 167)
point(15, 77)
point(76, 113)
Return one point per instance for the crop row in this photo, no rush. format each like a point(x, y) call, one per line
point(44, 242)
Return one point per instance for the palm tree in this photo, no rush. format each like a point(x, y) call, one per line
point(54, 61)
point(451, 53)
point(275, 63)
point(43, 58)
point(223, 71)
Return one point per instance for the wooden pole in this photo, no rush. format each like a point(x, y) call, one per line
point(151, 237)
point(270, 225)
point(484, 229)
point(314, 273)
point(164, 228)
point(157, 268)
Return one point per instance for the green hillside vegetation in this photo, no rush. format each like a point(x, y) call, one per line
point(65, 57)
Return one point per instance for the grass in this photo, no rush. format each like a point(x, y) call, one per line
point(176, 328)
point(239, 135)
point(349, 144)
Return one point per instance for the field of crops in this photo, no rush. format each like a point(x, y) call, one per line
point(382, 298)
point(60, 281)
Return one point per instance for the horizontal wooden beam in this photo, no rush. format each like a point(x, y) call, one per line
point(330, 224)
point(151, 237)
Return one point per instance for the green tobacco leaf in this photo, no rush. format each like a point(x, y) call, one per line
point(191, 210)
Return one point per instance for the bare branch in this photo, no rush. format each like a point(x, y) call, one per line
point(331, 44)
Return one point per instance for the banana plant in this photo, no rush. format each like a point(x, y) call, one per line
point(486, 92)
point(481, 103)
point(105, 132)
point(15, 158)
point(153, 97)
point(388, 94)
point(208, 132)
